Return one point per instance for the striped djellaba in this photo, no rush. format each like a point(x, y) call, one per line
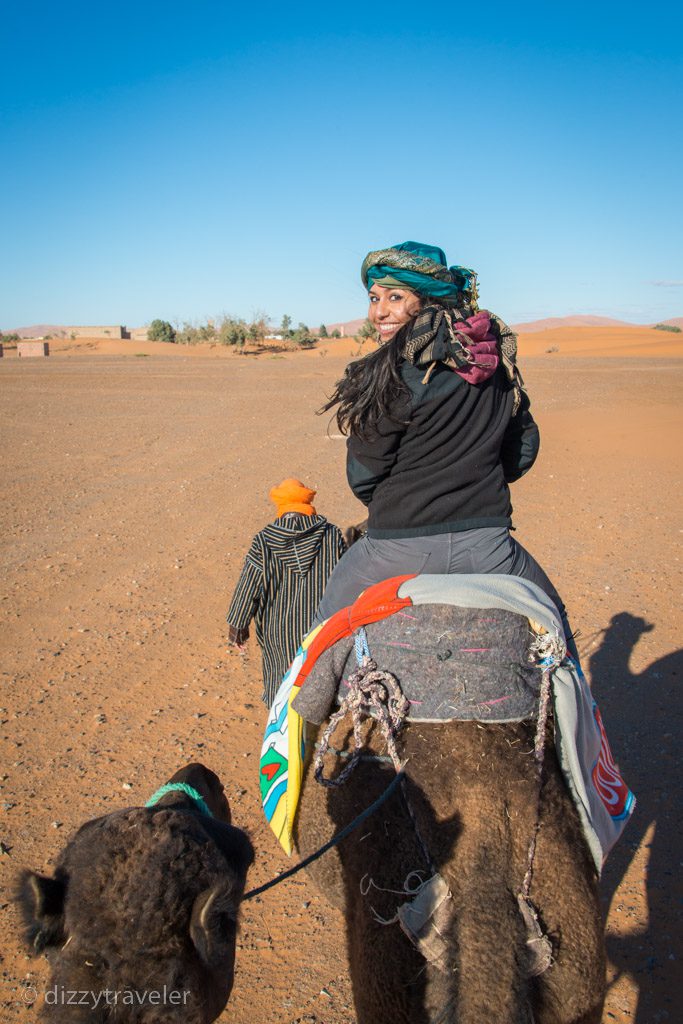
point(280, 586)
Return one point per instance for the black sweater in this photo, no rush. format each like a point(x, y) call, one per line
point(442, 462)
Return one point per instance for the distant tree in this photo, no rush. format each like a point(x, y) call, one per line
point(668, 327)
point(232, 331)
point(335, 334)
point(322, 333)
point(367, 331)
point(286, 326)
point(7, 339)
point(206, 332)
point(186, 334)
point(161, 330)
point(258, 328)
point(302, 336)
point(196, 334)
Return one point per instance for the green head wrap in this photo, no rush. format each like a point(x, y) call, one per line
point(424, 270)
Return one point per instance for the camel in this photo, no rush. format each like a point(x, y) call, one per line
point(140, 917)
point(467, 810)
point(471, 789)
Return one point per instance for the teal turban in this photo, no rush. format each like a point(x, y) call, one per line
point(423, 269)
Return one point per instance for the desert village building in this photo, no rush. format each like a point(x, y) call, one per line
point(117, 331)
point(113, 331)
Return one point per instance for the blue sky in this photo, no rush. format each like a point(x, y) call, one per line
point(184, 161)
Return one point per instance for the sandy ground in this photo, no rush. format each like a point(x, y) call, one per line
point(134, 477)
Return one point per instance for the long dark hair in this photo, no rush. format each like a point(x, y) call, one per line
point(372, 386)
point(369, 389)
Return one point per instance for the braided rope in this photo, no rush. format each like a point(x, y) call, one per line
point(539, 757)
point(360, 644)
point(372, 692)
point(376, 693)
point(549, 649)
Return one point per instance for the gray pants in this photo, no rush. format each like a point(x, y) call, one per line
point(488, 550)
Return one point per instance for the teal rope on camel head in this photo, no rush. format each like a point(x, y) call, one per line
point(180, 787)
point(423, 269)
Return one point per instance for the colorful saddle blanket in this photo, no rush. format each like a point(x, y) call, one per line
point(518, 607)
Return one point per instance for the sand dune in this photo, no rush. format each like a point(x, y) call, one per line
point(615, 342)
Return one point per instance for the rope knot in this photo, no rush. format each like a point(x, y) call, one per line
point(376, 692)
point(373, 693)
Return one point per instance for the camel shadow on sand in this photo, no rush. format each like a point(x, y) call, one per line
point(643, 719)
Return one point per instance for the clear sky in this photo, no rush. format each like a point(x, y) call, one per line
point(186, 160)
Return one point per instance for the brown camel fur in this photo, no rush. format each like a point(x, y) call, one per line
point(353, 533)
point(140, 918)
point(472, 791)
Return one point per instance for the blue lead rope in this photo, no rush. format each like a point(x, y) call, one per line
point(180, 787)
point(361, 645)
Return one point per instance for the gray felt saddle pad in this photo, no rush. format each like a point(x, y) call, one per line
point(451, 663)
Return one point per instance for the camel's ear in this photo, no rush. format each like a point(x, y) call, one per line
point(42, 905)
point(213, 926)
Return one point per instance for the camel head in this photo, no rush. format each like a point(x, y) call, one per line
point(139, 920)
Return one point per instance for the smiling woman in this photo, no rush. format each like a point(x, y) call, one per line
point(392, 308)
point(439, 425)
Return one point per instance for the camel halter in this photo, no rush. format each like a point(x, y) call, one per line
point(180, 787)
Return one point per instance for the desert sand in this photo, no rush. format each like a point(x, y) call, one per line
point(134, 476)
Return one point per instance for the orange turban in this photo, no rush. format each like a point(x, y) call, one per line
point(293, 496)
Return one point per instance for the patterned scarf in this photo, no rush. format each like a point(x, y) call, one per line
point(471, 344)
point(465, 344)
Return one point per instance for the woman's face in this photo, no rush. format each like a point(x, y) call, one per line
point(391, 308)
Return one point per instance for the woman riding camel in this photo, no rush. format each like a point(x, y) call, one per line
point(438, 426)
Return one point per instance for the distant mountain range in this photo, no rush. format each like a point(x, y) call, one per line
point(36, 331)
point(351, 327)
point(585, 321)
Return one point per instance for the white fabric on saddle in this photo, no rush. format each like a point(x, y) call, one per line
point(485, 591)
